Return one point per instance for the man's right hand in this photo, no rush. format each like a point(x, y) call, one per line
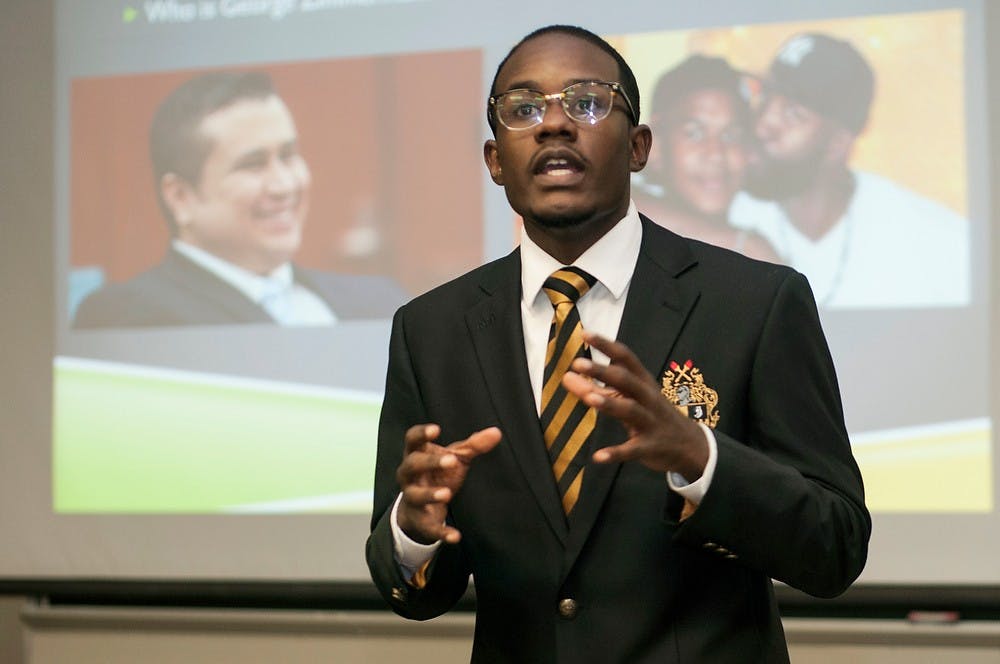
point(430, 475)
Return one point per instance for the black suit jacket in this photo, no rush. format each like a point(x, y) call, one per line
point(180, 292)
point(786, 500)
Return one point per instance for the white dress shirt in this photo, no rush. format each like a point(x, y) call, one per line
point(877, 255)
point(612, 261)
point(287, 302)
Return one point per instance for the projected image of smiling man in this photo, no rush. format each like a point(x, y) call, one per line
point(249, 205)
point(234, 188)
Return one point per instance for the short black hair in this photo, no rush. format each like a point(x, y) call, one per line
point(626, 78)
point(695, 74)
point(175, 145)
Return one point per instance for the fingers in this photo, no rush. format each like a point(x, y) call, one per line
point(623, 382)
point(422, 517)
point(627, 451)
point(618, 377)
point(624, 409)
point(422, 512)
point(478, 443)
point(419, 467)
point(422, 457)
point(586, 388)
point(625, 373)
point(430, 475)
point(418, 434)
point(450, 535)
point(617, 352)
point(425, 495)
point(583, 388)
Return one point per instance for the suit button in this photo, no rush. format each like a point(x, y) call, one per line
point(399, 594)
point(568, 608)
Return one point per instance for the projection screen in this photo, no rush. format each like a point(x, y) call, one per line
point(238, 447)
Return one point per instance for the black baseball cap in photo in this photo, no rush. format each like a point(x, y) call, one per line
point(827, 75)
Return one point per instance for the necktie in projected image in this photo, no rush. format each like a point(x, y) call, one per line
point(566, 422)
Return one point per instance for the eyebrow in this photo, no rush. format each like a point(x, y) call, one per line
point(533, 85)
point(250, 155)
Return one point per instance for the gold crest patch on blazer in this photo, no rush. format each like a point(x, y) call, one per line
point(684, 385)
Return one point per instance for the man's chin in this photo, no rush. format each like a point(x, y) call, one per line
point(709, 207)
point(269, 258)
point(557, 212)
point(773, 180)
point(560, 220)
point(766, 189)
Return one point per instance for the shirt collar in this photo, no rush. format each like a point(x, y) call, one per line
point(611, 259)
point(254, 286)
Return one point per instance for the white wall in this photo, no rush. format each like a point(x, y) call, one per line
point(108, 635)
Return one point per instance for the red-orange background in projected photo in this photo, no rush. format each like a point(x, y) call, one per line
point(396, 189)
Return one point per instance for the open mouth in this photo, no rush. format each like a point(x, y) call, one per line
point(559, 166)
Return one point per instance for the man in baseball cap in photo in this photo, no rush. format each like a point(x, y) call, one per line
point(862, 240)
point(815, 99)
point(827, 75)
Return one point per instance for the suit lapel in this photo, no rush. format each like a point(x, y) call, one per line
point(497, 334)
point(657, 307)
point(657, 310)
point(205, 287)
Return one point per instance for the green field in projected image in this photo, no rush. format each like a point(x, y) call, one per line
point(136, 440)
point(128, 440)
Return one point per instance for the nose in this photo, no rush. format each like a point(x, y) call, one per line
point(281, 177)
point(555, 121)
point(714, 149)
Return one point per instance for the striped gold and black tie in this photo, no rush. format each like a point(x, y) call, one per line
point(566, 422)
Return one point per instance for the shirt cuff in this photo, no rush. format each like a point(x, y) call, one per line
point(695, 491)
point(409, 555)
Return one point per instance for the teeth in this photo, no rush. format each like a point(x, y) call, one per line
point(558, 166)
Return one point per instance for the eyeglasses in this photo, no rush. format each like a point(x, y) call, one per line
point(587, 102)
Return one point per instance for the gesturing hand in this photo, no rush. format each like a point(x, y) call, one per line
point(430, 475)
point(660, 436)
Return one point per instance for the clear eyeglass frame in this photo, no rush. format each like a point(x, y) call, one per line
point(538, 103)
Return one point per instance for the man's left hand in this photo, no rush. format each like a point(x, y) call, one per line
point(660, 436)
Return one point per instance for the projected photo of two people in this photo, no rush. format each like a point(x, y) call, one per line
point(757, 162)
point(761, 165)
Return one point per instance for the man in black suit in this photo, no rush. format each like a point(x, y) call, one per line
point(235, 191)
point(718, 458)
